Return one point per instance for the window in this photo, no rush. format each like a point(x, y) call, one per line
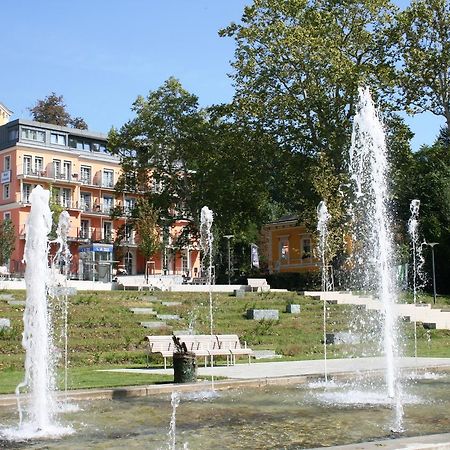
point(84, 229)
point(33, 134)
point(66, 198)
point(67, 170)
point(38, 165)
point(27, 165)
point(6, 191)
point(184, 264)
point(129, 205)
point(107, 231)
point(129, 237)
point(56, 168)
point(306, 248)
point(85, 174)
point(57, 138)
point(26, 191)
point(7, 216)
point(13, 134)
point(86, 201)
point(107, 204)
point(108, 178)
point(284, 249)
point(7, 163)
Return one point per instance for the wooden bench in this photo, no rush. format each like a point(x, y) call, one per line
point(258, 285)
point(202, 345)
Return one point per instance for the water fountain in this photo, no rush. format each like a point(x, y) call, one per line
point(206, 243)
point(418, 260)
point(38, 416)
point(322, 221)
point(368, 169)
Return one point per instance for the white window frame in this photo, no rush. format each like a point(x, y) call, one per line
point(6, 191)
point(7, 163)
point(108, 178)
point(86, 170)
point(58, 139)
point(27, 164)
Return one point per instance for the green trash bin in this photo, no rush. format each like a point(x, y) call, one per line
point(184, 367)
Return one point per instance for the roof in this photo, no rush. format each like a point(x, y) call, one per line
point(2, 106)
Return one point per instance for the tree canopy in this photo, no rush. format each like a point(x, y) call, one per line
point(53, 110)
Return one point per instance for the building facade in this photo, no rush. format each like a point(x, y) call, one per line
point(288, 246)
point(81, 174)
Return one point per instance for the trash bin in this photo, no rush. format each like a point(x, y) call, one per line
point(184, 367)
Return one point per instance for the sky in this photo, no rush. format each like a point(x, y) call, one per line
point(101, 54)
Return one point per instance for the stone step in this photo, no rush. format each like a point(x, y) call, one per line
point(168, 316)
point(154, 325)
point(4, 323)
point(143, 311)
point(171, 303)
point(16, 302)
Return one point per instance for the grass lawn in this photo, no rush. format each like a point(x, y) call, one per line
point(104, 333)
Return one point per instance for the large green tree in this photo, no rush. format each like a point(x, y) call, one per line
point(183, 158)
point(298, 64)
point(422, 48)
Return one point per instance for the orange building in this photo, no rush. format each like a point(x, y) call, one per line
point(288, 246)
point(76, 166)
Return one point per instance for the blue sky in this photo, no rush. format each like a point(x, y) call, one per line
point(100, 55)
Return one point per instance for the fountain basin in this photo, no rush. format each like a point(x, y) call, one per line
point(307, 415)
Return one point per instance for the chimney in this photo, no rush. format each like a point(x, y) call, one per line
point(5, 114)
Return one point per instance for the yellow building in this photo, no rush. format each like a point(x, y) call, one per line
point(81, 174)
point(289, 247)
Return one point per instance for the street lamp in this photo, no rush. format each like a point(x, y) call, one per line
point(228, 237)
point(432, 244)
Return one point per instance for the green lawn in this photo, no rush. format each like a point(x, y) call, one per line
point(104, 333)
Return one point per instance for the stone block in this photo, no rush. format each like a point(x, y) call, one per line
point(262, 314)
point(343, 337)
point(429, 325)
point(168, 316)
point(17, 302)
point(6, 297)
point(293, 308)
point(154, 325)
point(239, 293)
point(171, 303)
point(142, 311)
point(4, 323)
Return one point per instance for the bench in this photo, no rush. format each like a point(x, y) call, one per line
point(202, 345)
point(258, 285)
point(4, 273)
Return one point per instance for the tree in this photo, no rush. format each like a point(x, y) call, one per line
point(428, 179)
point(422, 41)
point(146, 225)
point(7, 241)
point(53, 110)
point(298, 65)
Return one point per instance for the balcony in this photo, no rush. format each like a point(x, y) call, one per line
point(91, 234)
point(97, 209)
point(49, 176)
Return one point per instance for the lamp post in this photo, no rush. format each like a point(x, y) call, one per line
point(228, 237)
point(432, 244)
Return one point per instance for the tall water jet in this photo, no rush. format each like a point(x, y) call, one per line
point(175, 401)
point(322, 222)
point(417, 257)
point(368, 168)
point(62, 260)
point(39, 381)
point(206, 243)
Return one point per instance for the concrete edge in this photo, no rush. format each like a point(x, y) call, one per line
point(220, 385)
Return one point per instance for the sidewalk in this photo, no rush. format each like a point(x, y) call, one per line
point(278, 369)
